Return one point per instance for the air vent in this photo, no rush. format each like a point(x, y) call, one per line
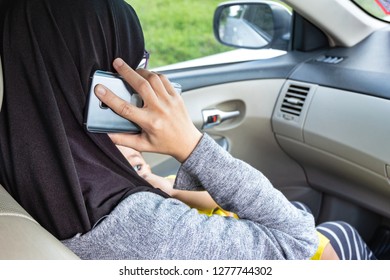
point(330, 59)
point(294, 100)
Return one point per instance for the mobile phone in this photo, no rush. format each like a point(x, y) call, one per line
point(99, 117)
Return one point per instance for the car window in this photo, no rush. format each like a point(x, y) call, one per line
point(178, 31)
point(377, 8)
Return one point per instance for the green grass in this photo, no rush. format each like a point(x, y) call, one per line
point(177, 30)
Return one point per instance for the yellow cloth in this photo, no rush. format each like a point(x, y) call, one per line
point(218, 211)
point(171, 177)
point(321, 246)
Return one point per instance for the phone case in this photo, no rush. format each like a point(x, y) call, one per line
point(99, 117)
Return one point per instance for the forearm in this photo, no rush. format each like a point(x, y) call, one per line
point(232, 183)
point(239, 188)
point(195, 199)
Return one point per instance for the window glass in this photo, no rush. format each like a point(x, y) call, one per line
point(177, 31)
point(378, 8)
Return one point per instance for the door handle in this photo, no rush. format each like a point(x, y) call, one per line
point(213, 117)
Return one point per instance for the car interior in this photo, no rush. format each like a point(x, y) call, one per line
point(314, 121)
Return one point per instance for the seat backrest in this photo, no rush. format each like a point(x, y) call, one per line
point(22, 238)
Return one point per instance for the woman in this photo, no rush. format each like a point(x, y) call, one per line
point(79, 186)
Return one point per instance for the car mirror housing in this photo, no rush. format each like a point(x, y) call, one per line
point(253, 24)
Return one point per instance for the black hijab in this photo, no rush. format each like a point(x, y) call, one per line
point(65, 177)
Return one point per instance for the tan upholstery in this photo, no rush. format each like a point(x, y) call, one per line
point(21, 237)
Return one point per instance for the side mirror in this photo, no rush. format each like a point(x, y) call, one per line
point(253, 25)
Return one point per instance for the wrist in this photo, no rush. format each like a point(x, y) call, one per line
point(173, 193)
point(190, 146)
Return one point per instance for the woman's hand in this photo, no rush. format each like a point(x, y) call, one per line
point(166, 125)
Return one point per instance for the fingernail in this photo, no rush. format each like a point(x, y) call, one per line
point(118, 62)
point(100, 90)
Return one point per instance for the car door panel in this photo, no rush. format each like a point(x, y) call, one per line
point(279, 67)
point(209, 86)
point(250, 136)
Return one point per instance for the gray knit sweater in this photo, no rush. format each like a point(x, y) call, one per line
point(147, 226)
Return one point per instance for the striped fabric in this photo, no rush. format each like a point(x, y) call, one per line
point(345, 239)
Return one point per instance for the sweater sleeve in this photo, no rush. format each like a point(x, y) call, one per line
point(148, 226)
point(240, 188)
